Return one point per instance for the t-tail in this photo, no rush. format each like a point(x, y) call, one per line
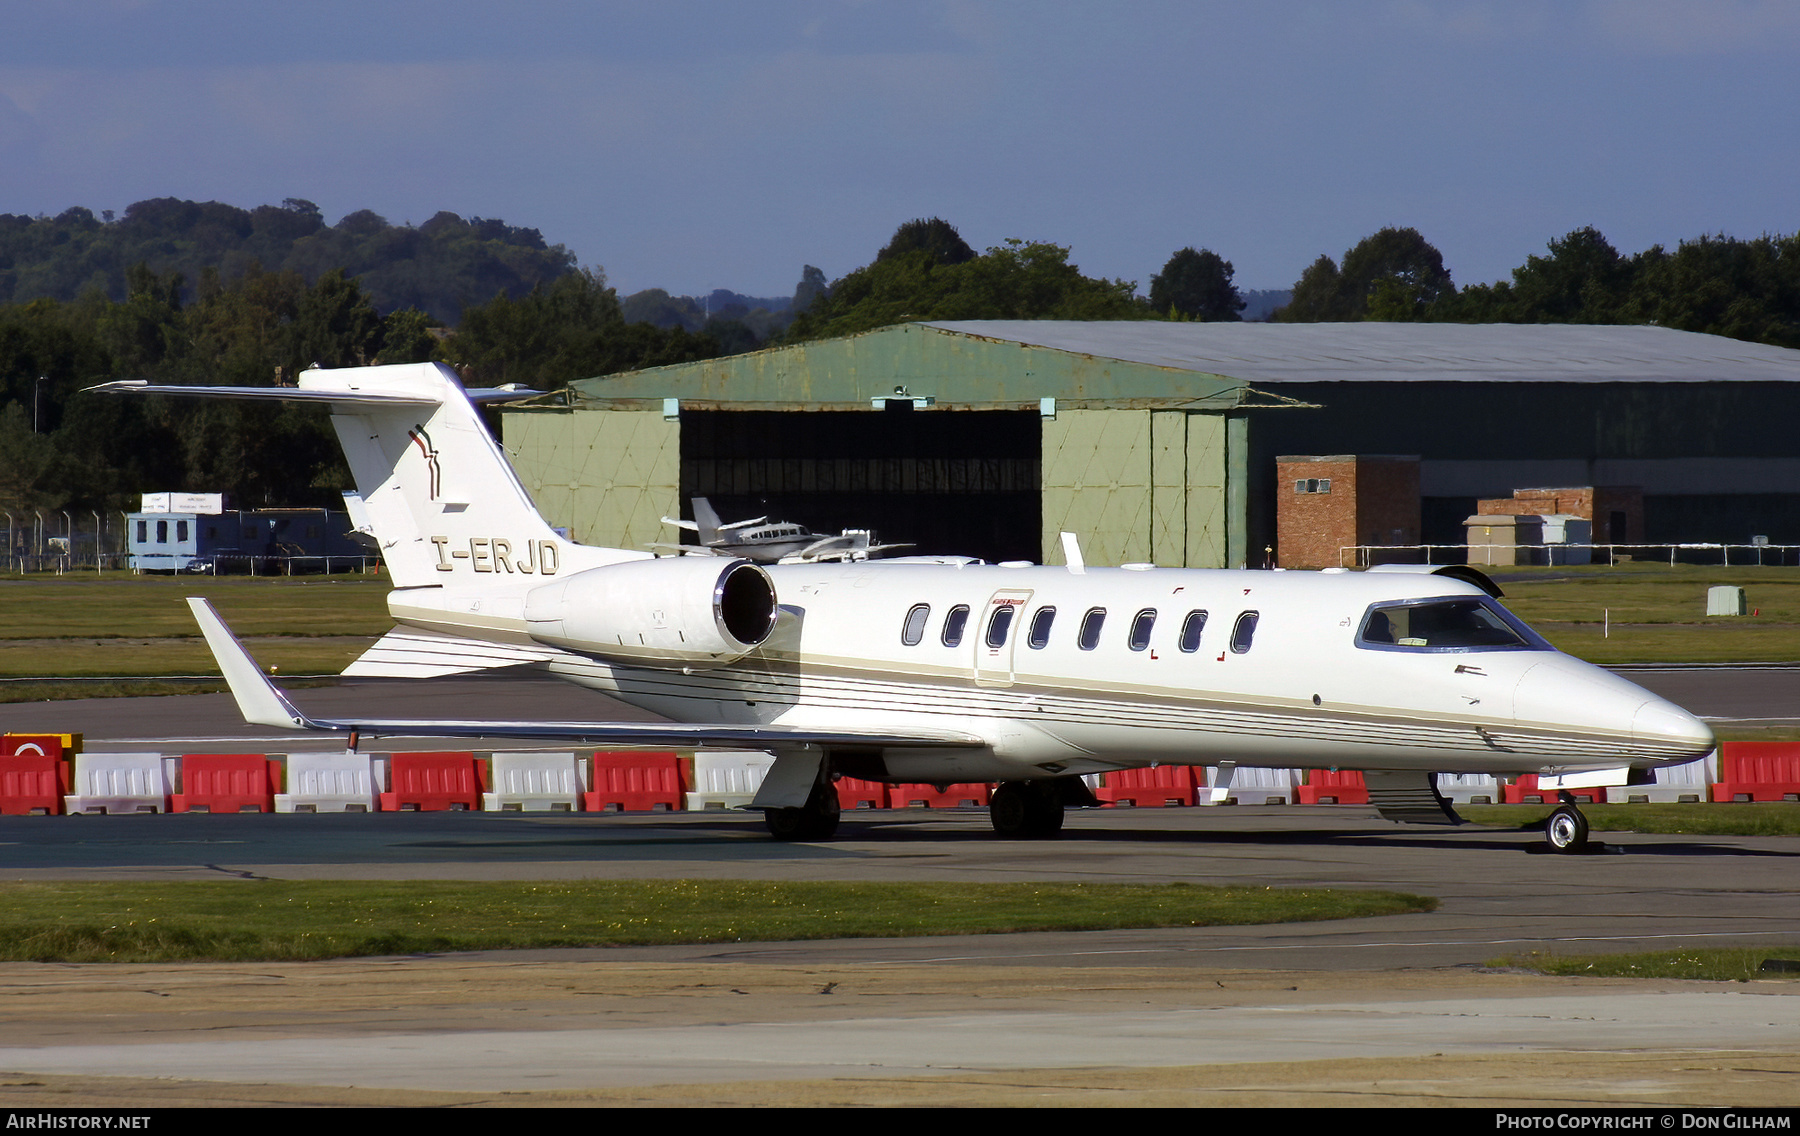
point(476, 570)
point(440, 495)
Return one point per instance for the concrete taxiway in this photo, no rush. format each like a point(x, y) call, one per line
point(1379, 1011)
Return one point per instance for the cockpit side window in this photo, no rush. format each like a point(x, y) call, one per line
point(1461, 623)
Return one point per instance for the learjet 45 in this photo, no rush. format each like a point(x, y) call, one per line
point(944, 670)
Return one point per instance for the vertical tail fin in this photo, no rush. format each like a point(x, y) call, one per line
point(706, 522)
point(443, 501)
point(442, 498)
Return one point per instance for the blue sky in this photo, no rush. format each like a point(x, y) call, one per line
point(694, 145)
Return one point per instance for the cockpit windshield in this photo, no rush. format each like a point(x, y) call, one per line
point(1460, 624)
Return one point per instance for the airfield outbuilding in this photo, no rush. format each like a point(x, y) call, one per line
point(1158, 441)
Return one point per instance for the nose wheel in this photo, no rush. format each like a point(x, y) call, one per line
point(1566, 830)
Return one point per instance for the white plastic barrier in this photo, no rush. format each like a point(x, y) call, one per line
point(1674, 784)
point(727, 779)
point(1470, 788)
point(328, 783)
point(1253, 786)
point(535, 783)
point(120, 783)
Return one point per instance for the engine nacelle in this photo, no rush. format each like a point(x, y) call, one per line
point(686, 611)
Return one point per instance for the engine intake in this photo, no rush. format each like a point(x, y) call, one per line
point(687, 611)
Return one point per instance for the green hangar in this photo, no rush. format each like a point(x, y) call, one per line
point(1157, 442)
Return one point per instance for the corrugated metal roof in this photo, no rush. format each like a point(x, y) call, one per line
point(1266, 353)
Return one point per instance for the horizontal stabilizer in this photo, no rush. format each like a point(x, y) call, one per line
point(276, 394)
point(407, 653)
point(341, 397)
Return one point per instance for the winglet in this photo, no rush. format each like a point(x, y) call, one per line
point(258, 700)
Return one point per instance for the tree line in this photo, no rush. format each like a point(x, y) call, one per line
point(1719, 285)
point(60, 449)
point(196, 308)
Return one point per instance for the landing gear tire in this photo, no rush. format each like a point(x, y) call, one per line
point(1566, 830)
point(1026, 810)
point(815, 820)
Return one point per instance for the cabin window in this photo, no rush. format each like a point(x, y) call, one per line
point(1242, 632)
point(1140, 628)
point(954, 622)
point(1460, 624)
point(998, 625)
point(181, 532)
point(1090, 628)
point(913, 629)
point(162, 532)
point(143, 532)
point(1191, 627)
point(1040, 628)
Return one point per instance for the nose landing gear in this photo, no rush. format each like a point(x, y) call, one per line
point(1566, 830)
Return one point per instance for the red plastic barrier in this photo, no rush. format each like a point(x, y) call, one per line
point(38, 745)
point(1525, 791)
point(432, 782)
point(33, 783)
point(854, 794)
point(1758, 771)
point(927, 796)
point(1151, 788)
point(635, 782)
point(227, 783)
point(1333, 787)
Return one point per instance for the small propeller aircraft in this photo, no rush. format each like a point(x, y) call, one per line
point(920, 669)
point(763, 541)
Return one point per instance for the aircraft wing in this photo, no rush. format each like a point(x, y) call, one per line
point(263, 704)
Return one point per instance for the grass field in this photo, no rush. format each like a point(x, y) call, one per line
point(1644, 612)
point(149, 921)
point(1745, 818)
point(125, 625)
point(1718, 965)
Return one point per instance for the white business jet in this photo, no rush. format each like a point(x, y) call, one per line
point(942, 672)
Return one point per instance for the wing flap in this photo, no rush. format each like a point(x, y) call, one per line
point(408, 653)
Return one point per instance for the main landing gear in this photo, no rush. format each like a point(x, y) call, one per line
point(815, 820)
point(1566, 830)
point(1033, 810)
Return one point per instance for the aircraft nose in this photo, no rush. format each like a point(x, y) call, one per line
point(1565, 692)
point(1665, 724)
point(1560, 691)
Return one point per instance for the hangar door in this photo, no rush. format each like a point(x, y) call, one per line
point(957, 482)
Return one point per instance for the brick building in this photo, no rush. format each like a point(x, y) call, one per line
point(1327, 504)
point(1616, 511)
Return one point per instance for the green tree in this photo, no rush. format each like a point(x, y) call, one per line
point(407, 337)
point(1394, 274)
point(1197, 285)
point(571, 328)
point(812, 286)
point(935, 236)
point(1014, 280)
